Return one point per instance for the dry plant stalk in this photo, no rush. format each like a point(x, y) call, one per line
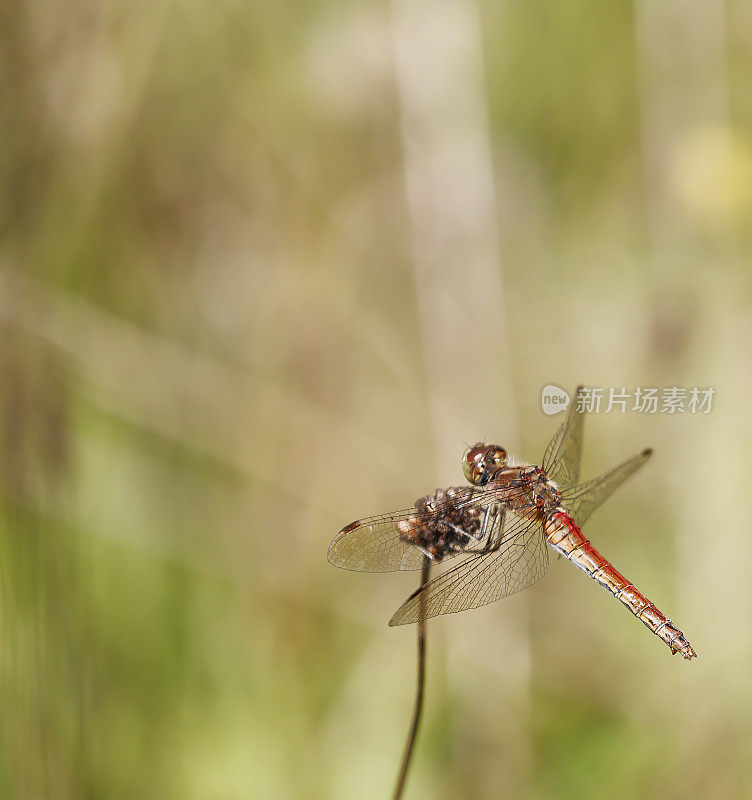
point(412, 733)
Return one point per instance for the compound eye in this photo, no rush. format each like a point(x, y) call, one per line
point(473, 464)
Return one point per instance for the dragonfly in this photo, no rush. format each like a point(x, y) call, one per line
point(500, 528)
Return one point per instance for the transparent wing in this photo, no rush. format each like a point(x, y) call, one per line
point(561, 460)
point(580, 501)
point(521, 560)
point(373, 544)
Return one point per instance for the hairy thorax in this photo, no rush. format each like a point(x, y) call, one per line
point(526, 490)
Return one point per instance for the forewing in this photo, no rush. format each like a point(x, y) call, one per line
point(521, 560)
point(580, 501)
point(373, 544)
point(561, 460)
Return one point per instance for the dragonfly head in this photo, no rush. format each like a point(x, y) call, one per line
point(482, 461)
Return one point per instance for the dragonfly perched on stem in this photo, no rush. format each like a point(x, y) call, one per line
point(504, 522)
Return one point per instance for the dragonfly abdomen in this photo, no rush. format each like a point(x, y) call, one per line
point(565, 537)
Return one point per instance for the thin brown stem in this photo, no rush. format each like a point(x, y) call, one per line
point(419, 689)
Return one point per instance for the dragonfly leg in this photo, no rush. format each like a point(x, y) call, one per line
point(491, 522)
point(494, 542)
point(483, 530)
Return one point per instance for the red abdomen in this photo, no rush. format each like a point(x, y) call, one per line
point(564, 536)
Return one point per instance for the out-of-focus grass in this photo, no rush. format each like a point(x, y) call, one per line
point(211, 359)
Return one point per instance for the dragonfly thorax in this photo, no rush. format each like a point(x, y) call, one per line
point(482, 461)
point(526, 490)
point(544, 492)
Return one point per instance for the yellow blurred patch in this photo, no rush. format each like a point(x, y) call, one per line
point(710, 175)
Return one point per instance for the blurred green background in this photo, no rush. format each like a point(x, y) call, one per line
point(264, 268)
